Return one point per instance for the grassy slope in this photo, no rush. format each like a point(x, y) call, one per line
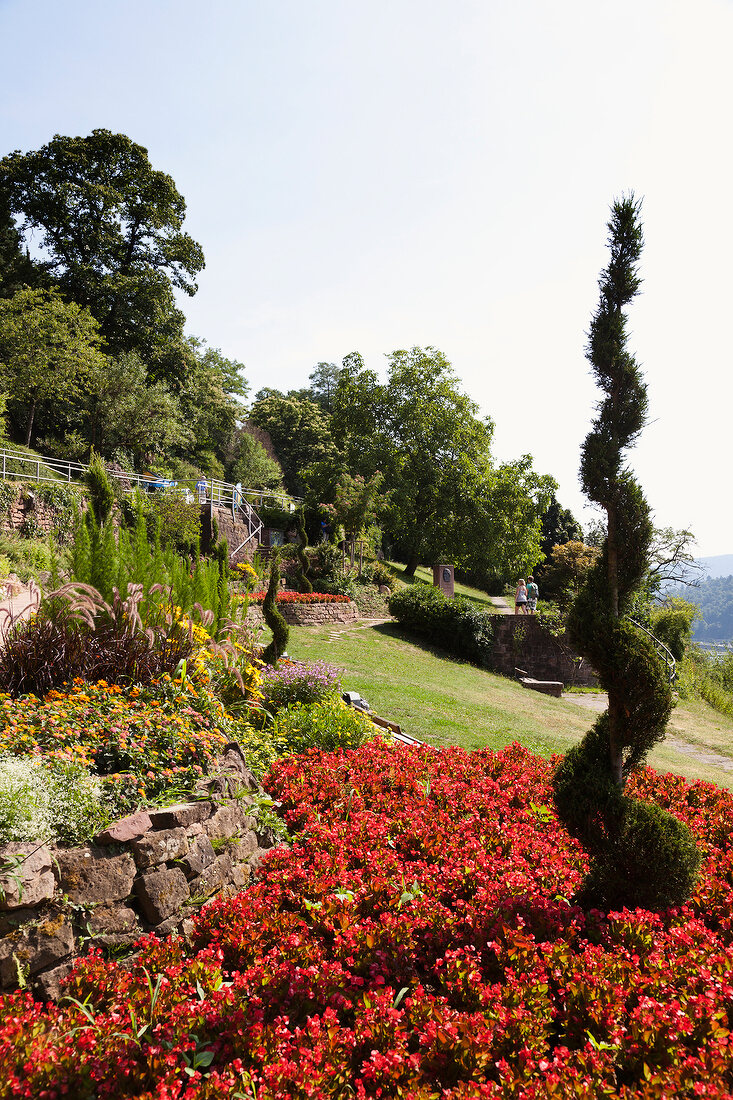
point(444, 701)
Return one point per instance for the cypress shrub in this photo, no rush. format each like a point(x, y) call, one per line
point(304, 584)
point(101, 495)
point(640, 854)
point(273, 618)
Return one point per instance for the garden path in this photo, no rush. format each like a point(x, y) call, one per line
point(501, 607)
point(360, 624)
point(16, 607)
point(598, 701)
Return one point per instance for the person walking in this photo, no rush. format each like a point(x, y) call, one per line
point(520, 598)
point(532, 595)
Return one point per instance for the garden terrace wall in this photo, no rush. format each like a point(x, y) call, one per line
point(310, 614)
point(230, 529)
point(145, 873)
point(25, 509)
point(520, 641)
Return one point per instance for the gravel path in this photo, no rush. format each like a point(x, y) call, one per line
point(598, 701)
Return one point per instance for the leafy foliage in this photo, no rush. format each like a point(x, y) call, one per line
point(49, 352)
point(641, 855)
point(110, 229)
point(328, 724)
point(304, 584)
point(456, 625)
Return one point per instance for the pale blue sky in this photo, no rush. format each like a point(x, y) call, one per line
point(373, 176)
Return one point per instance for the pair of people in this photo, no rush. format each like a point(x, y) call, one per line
point(525, 598)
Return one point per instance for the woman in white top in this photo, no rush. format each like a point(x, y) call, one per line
point(520, 598)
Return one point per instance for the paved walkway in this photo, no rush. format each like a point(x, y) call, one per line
point(17, 607)
point(501, 607)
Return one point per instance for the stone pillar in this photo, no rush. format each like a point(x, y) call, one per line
point(443, 579)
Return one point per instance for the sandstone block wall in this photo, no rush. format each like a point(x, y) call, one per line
point(22, 509)
point(310, 614)
point(148, 872)
point(522, 642)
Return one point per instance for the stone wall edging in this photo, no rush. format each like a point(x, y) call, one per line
point(309, 614)
point(145, 873)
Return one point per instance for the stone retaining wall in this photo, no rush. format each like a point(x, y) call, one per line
point(230, 529)
point(25, 508)
point(310, 614)
point(145, 873)
point(522, 642)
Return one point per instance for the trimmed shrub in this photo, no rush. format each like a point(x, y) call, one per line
point(456, 625)
point(327, 725)
point(273, 618)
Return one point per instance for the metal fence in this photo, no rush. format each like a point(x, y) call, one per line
point(18, 466)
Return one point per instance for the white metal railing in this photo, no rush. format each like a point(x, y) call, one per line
point(665, 653)
point(17, 466)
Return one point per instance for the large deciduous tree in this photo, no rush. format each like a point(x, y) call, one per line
point(49, 353)
point(640, 854)
point(299, 430)
point(107, 229)
point(447, 498)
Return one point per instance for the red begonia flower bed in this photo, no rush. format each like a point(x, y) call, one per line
point(418, 940)
point(300, 597)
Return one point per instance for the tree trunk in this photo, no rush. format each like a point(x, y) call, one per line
point(412, 564)
point(31, 415)
point(612, 547)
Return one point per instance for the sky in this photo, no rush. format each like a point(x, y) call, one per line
point(398, 173)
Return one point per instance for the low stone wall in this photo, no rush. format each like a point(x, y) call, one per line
point(145, 873)
point(310, 614)
point(522, 642)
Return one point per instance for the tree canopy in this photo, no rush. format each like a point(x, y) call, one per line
point(106, 228)
point(49, 352)
point(447, 498)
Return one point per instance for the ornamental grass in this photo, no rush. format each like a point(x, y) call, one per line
point(419, 939)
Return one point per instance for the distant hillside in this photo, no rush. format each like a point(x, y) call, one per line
point(719, 566)
point(714, 597)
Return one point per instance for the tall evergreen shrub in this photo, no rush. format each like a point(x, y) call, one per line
point(273, 618)
point(101, 495)
point(304, 584)
point(640, 854)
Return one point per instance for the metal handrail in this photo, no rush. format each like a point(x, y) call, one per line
point(220, 493)
point(665, 653)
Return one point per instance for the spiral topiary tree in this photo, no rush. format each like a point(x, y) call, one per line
point(640, 854)
point(273, 618)
point(304, 584)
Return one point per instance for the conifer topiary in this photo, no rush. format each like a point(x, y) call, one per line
point(273, 618)
point(304, 584)
point(640, 854)
point(101, 494)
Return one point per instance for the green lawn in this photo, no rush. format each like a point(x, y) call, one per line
point(444, 701)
